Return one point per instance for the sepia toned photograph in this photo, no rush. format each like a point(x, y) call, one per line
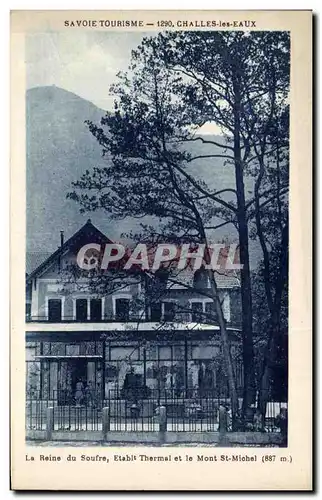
point(161, 324)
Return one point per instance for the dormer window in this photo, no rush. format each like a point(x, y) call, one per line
point(201, 279)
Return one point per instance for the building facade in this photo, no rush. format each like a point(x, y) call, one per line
point(86, 343)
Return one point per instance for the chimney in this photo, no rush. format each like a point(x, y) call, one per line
point(61, 238)
point(61, 246)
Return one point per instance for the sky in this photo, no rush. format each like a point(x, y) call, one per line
point(83, 62)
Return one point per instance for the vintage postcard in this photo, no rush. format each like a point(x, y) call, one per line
point(160, 256)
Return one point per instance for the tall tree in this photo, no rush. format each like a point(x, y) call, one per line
point(270, 210)
point(148, 174)
point(226, 78)
point(178, 82)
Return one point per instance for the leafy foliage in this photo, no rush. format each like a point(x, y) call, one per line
point(176, 83)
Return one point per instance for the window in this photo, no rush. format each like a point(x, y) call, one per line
point(54, 310)
point(81, 310)
point(203, 311)
point(28, 310)
point(124, 352)
point(96, 309)
point(122, 309)
point(156, 312)
point(165, 353)
point(196, 311)
point(226, 307)
point(205, 352)
point(169, 311)
point(211, 315)
point(72, 350)
point(30, 353)
point(201, 279)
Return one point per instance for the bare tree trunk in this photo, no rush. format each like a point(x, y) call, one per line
point(189, 203)
point(223, 330)
point(226, 349)
point(246, 296)
point(270, 355)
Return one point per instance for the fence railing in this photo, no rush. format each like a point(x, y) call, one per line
point(184, 411)
point(110, 318)
point(195, 415)
point(137, 414)
point(131, 317)
point(165, 394)
point(71, 319)
point(36, 414)
point(76, 418)
point(275, 418)
point(89, 398)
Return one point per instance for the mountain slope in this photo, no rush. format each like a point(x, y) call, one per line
point(60, 148)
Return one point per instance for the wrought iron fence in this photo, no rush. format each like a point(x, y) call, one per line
point(195, 415)
point(276, 417)
point(134, 412)
point(77, 418)
point(89, 398)
point(36, 414)
point(185, 411)
point(106, 318)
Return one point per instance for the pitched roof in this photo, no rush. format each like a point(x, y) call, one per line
point(185, 278)
point(34, 260)
point(88, 232)
point(38, 262)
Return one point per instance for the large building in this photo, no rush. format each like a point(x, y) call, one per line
point(104, 337)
